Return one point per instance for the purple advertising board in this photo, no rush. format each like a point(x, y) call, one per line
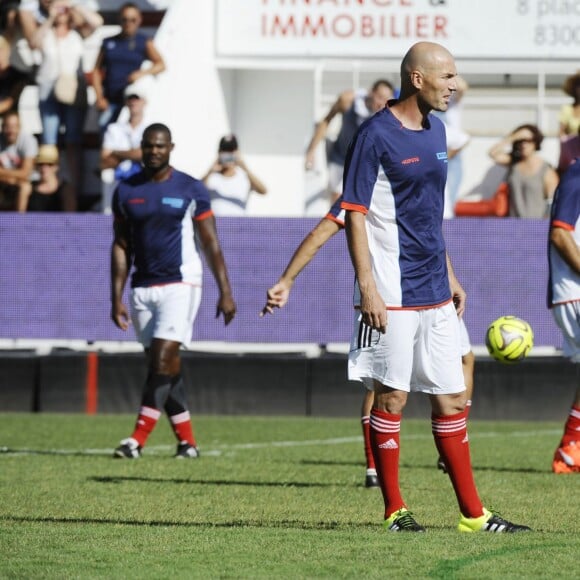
point(55, 279)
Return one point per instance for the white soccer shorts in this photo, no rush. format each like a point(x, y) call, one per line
point(166, 312)
point(464, 338)
point(567, 316)
point(420, 351)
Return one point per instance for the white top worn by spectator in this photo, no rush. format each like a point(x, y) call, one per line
point(12, 155)
point(230, 181)
point(60, 55)
point(122, 136)
point(121, 149)
point(229, 195)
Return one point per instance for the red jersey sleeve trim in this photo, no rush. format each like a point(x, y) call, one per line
point(334, 219)
point(354, 207)
point(563, 225)
point(203, 216)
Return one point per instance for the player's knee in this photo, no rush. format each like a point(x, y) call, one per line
point(389, 400)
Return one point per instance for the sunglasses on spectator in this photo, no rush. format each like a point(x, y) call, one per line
point(126, 19)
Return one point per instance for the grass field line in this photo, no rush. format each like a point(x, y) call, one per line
point(229, 448)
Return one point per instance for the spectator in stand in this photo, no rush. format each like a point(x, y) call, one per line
point(570, 124)
point(17, 153)
point(570, 113)
point(121, 150)
point(12, 81)
point(62, 90)
point(569, 150)
point(48, 191)
point(355, 107)
point(229, 180)
point(85, 18)
point(531, 179)
point(120, 63)
point(8, 15)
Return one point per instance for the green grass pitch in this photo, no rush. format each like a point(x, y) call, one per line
point(271, 497)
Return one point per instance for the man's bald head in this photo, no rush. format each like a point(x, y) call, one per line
point(422, 57)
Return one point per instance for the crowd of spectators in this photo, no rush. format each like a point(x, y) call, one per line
point(42, 43)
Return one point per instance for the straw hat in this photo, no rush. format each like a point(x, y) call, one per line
point(571, 83)
point(47, 154)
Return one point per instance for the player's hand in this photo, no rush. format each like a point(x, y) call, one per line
point(459, 298)
point(276, 297)
point(120, 316)
point(374, 311)
point(227, 307)
point(309, 161)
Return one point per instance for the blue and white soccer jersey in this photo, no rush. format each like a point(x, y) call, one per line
point(167, 276)
point(564, 282)
point(396, 177)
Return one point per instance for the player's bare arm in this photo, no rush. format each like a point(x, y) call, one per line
point(457, 292)
point(340, 106)
point(207, 232)
point(120, 264)
point(277, 296)
point(372, 306)
point(564, 243)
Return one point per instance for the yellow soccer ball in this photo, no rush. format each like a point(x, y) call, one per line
point(509, 339)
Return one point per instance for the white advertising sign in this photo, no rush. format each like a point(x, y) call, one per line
point(488, 29)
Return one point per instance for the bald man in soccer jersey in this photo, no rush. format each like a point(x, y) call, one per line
point(277, 296)
point(564, 300)
point(407, 298)
point(163, 219)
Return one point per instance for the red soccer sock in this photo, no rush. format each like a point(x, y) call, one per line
point(146, 421)
point(384, 432)
point(572, 427)
point(366, 428)
point(450, 433)
point(182, 427)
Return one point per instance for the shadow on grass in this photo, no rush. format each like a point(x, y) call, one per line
point(55, 452)
point(325, 462)
point(430, 467)
point(289, 524)
point(123, 479)
point(433, 466)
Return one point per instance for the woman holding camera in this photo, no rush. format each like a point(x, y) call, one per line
point(531, 179)
point(229, 180)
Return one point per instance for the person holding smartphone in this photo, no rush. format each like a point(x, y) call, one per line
point(229, 180)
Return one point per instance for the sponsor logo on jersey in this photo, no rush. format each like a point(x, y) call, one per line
point(442, 155)
point(175, 202)
point(137, 200)
point(410, 160)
